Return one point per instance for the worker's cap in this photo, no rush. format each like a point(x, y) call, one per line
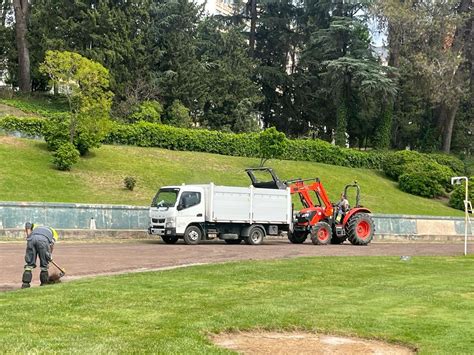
point(28, 225)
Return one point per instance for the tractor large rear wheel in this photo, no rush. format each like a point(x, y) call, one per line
point(297, 237)
point(321, 233)
point(360, 229)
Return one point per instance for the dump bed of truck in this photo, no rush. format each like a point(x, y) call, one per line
point(247, 205)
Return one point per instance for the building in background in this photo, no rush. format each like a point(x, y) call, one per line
point(218, 7)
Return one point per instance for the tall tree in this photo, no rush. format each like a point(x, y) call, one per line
point(21, 8)
point(430, 38)
point(231, 94)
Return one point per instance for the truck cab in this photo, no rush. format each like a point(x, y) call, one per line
point(174, 208)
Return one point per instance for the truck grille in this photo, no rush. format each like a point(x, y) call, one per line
point(156, 220)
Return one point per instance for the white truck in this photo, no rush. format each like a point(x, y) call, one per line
point(234, 214)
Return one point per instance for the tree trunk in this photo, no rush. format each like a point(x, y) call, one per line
point(253, 26)
point(447, 112)
point(393, 46)
point(21, 16)
point(447, 115)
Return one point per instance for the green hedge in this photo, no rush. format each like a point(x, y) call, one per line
point(144, 134)
point(30, 126)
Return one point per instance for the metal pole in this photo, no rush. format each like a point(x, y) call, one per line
point(466, 199)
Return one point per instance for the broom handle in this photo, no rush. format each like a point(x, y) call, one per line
point(59, 267)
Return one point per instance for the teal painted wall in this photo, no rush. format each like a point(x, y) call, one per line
point(73, 216)
point(13, 215)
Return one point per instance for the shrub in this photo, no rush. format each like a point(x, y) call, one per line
point(129, 183)
point(148, 111)
point(429, 179)
point(56, 132)
point(456, 165)
point(421, 184)
point(65, 156)
point(456, 200)
point(394, 164)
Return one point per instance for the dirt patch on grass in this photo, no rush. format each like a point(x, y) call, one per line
point(303, 343)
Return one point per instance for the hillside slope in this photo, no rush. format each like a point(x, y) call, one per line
point(26, 174)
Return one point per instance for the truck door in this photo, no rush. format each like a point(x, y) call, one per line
point(191, 209)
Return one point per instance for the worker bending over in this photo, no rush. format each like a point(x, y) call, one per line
point(39, 243)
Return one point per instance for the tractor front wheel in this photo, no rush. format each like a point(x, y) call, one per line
point(360, 229)
point(297, 237)
point(321, 233)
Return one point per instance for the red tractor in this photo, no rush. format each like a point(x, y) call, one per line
point(323, 221)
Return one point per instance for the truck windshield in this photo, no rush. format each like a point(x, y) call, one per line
point(165, 198)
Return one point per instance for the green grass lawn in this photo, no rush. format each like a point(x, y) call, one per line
point(426, 303)
point(26, 174)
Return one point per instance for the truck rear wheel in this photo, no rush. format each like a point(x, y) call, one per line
point(170, 239)
point(360, 229)
point(321, 233)
point(297, 237)
point(192, 235)
point(255, 236)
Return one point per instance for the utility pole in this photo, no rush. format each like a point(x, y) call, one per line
point(467, 205)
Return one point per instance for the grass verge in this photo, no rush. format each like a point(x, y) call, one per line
point(425, 303)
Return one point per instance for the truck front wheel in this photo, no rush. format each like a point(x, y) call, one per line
point(255, 236)
point(192, 235)
point(169, 239)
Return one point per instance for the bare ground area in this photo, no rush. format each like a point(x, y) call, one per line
point(81, 259)
point(306, 343)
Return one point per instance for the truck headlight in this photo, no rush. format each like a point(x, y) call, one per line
point(170, 224)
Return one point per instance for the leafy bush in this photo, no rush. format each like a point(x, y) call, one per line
point(271, 144)
point(178, 115)
point(421, 184)
point(428, 179)
point(394, 164)
point(456, 200)
point(65, 156)
point(56, 132)
point(88, 134)
point(129, 183)
point(148, 111)
point(456, 165)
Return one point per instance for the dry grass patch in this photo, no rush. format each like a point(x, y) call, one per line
point(303, 343)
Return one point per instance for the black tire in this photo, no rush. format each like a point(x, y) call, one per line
point(170, 239)
point(321, 233)
point(233, 241)
point(297, 237)
point(360, 229)
point(337, 239)
point(255, 237)
point(192, 235)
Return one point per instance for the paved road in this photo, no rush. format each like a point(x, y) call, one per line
point(86, 259)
